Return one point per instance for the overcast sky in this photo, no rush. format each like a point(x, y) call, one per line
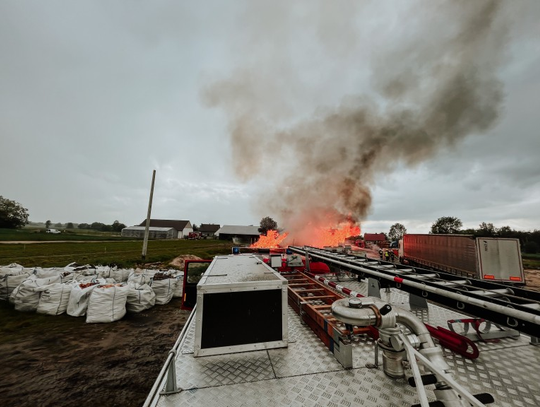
point(94, 95)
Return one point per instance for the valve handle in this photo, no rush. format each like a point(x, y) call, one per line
point(385, 310)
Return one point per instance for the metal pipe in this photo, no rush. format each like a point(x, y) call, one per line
point(415, 326)
point(509, 312)
point(367, 316)
point(362, 317)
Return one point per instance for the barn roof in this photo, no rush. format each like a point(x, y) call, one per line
point(151, 228)
point(238, 230)
point(179, 225)
point(208, 228)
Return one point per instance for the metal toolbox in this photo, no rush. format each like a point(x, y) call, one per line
point(241, 306)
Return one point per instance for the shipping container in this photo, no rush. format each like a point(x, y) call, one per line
point(486, 258)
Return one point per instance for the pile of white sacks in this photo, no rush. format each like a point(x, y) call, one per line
point(102, 293)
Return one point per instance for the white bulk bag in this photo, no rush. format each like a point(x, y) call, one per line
point(178, 291)
point(140, 297)
point(121, 275)
point(47, 272)
point(86, 269)
point(25, 297)
point(164, 289)
point(140, 277)
point(103, 271)
point(66, 277)
point(54, 299)
point(84, 279)
point(78, 298)
point(9, 282)
point(107, 303)
point(12, 269)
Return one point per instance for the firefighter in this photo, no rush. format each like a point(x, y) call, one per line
point(381, 254)
point(392, 256)
point(386, 255)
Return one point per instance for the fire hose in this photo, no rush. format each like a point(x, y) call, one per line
point(451, 340)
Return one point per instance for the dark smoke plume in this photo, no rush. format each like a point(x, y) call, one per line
point(431, 89)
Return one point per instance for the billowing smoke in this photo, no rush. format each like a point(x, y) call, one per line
point(433, 82)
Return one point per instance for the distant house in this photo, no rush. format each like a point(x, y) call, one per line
point(208, 230)
point(239, 234)
point(375, 238)
point(137, 232)
point(182, 227)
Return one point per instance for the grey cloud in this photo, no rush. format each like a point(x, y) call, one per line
point(329, 103)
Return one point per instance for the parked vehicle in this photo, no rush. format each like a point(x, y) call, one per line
point(54, 231)
point(486, 258)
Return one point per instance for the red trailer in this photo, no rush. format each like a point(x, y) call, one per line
point(486, 258)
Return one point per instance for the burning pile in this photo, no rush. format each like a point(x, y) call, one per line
point(426, 96)
point(311, 235)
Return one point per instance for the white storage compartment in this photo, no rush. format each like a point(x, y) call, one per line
point(241, 306)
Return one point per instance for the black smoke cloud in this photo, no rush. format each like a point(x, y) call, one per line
point(434, 83)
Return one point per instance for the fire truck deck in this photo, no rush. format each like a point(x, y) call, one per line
point(306, 373)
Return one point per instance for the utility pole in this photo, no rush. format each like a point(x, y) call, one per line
point(147, 229)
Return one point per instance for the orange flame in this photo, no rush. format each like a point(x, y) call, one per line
point(334, 236)
point(272, 240)
point(311, 236)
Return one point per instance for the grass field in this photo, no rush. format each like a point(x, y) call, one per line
point(39, 235)
point(121, 253)
point(531, 261)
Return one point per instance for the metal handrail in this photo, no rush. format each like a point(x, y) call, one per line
point(511, 317)
point(151, 399)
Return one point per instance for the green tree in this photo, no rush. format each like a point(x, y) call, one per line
point(446, 225)
point(506, 231)
point(487, 230)
point(48, 224)
point(69, 225)
point(117, 226)
point(531, 247)
point(267, 224)
point(397, 230)
point(12, 214)
point(97, 226)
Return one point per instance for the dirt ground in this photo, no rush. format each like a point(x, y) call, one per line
point(63, 361)
point(532, 278)
point(68, 362)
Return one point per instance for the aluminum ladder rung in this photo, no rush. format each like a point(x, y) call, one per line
point(452, 283)
point(493, 293)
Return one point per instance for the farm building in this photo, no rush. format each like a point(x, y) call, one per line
point(375, 238)
point(208, 230)
point(182, 227)
point(137, 232)
point(239, 234)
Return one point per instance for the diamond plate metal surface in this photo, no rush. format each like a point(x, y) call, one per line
point(303, 357)
point(211, 371)
point(510, 375)
point(356, 387)
point(296, 329)
point(306, 373)
point(189, 342)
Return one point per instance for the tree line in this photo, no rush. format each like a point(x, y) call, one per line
point(529, 241)
point(115, 227)
point(14, 216)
